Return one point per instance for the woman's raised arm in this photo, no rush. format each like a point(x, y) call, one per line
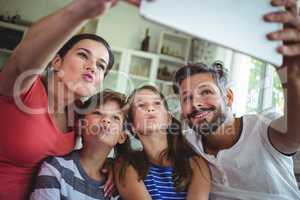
point(43, 40)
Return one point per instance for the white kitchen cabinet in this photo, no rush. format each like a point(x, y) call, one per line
point(174, 45)
point(133, 69)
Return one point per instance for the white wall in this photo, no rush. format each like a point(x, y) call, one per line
point(122, 26)
point(31, 10)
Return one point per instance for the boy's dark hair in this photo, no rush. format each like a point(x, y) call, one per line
point(99, 99)
point(178, 151)
point(76, 38)
point(217, 70)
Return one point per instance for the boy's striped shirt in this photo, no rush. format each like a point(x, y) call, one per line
point(64, 178)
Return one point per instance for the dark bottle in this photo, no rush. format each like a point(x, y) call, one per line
point(145, 42)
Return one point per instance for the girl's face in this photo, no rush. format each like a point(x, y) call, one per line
point(83, 67)
point(104, 125)
point(149, 113)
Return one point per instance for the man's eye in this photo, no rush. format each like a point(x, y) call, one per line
point(206, 92)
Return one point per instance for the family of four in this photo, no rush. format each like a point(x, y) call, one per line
point(209, 154)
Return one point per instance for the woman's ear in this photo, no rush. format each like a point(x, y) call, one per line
point(123, 137)
point(56, 63)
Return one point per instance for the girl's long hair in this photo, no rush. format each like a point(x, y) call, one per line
point(178, 152)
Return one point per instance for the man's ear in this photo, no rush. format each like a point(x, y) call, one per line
point(123, 137)
point(229, 97)
point(56, 63)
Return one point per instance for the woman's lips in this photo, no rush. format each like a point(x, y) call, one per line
point(87, 77)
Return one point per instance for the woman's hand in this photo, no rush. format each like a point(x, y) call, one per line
point(88, 9)
point(94, 8)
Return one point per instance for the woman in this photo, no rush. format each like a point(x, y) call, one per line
point(33, 121)
point(166, 168)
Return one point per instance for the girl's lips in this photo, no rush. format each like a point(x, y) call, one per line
point(87, 77)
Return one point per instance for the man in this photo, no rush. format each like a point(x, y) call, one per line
point(249, 157)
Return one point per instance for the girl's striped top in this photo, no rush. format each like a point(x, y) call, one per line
point(160, 186)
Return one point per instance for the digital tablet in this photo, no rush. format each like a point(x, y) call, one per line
point(235, 24)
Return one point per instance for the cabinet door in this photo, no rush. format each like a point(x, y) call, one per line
point(142, 69)
point(112, 80)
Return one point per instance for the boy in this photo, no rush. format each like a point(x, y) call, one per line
point(78, 175)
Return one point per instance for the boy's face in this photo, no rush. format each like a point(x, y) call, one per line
point(104, 125)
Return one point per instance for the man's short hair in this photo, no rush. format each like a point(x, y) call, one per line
point(217, 70)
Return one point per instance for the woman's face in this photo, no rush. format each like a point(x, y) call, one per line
point(83, 67)
point(149, 113)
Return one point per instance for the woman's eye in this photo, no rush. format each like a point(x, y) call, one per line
point(83, 55)
point(100, 66)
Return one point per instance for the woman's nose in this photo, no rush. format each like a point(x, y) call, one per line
point(90, 66)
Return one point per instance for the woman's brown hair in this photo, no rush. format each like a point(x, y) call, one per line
point(178, 152)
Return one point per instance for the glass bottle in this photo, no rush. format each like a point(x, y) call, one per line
point(145, 42)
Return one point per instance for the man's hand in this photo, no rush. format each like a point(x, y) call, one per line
point(290, 34)
point(287, 140)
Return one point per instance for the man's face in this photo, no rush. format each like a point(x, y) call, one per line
point(202, 103)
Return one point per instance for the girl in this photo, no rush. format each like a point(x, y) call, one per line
point(166, 168)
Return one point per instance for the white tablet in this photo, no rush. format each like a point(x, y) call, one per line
point(235, 24)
